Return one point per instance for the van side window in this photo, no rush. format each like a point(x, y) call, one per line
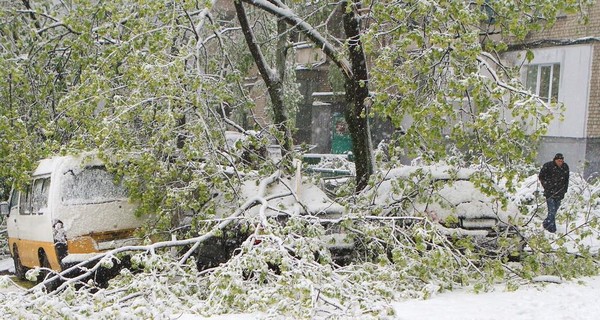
point(14, 199)
point(35, 197)
point(40, 194)
point(25, 207)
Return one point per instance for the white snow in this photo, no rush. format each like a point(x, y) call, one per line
point(540, 300)
point(571, 300)
point(7, 265)
point(288, 193)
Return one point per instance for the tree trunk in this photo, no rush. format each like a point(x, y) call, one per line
point(272, 80)
point(357, 92)
point(355, 73)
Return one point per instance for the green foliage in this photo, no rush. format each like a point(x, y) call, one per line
point(133, 79)
point(336, 79)
point(435, 70)
point(141, 82)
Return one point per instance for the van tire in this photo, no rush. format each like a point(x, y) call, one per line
point(44, 263)
point(48, 273)
point(19, 269)
point(44, 275)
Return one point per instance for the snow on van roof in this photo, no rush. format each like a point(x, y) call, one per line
point(47, 166)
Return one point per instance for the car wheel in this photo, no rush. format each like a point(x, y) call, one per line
point(19, 269)
point(44, 264)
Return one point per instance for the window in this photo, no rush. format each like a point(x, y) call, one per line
point(89, 186)
point(25, 201)
point(14, 199)
point(40, 195)
point(543, 80)
point(35, 197)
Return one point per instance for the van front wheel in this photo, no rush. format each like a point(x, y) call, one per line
point(19, 269)
point(44, 264)
point(47, 273)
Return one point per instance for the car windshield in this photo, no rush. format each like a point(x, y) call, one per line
point(90, 185)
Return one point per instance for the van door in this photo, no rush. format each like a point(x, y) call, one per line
point(13, 213)
point(32, 223)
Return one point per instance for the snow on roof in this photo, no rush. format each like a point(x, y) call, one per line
point(282, 198)
point(47, 166)
point(304, 44)
point(457, 197)
point(327, 94)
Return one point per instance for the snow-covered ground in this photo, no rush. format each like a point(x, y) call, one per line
point(567, 300)
point(6, 265)
point(577, 300)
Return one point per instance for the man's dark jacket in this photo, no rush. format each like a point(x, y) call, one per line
point(554, 179)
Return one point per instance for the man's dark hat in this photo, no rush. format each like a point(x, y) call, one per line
point(559, 156)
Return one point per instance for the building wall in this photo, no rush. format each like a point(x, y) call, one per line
point(575, 62)
point(594, 98)
point(311, 80)
point(569, 27)
point(326, 105)
point(578, 136)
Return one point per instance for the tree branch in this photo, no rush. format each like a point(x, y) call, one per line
point(270, 77)
point(287, 15)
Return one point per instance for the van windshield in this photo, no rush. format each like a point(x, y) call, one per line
point(90, 185)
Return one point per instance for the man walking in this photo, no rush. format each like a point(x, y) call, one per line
point(554, 177)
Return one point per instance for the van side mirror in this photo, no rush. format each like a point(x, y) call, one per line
point(4, 208)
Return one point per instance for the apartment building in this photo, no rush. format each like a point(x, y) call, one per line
point(566, 68)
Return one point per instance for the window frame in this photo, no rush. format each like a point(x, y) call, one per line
point(544, 81)
point(34, 198)
point(14, 200)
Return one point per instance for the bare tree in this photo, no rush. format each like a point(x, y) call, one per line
point(354, 71)
point(272, 78)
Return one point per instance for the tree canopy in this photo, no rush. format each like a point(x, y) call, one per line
point(156, 87)
point(136, 76)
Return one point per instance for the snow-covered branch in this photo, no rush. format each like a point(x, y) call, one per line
point(503, 84)
point(291, 18)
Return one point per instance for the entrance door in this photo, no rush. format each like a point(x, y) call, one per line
point(341, 142)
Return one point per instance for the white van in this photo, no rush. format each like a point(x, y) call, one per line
point(71, 209)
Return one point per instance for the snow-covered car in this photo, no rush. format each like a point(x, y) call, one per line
point(266, 205)
point(445, 195)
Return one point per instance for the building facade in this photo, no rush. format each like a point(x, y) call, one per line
point(566, 68)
